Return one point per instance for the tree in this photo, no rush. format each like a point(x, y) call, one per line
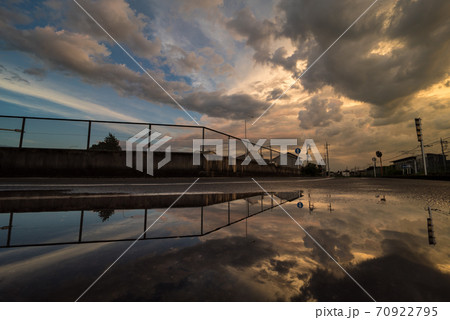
point(379, 155)
point(104, 214)
point(110, 143)
point(311, 169)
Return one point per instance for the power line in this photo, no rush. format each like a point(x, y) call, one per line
point(408, 151)
point(402, 153)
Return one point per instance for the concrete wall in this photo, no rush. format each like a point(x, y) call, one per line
point(63, 162)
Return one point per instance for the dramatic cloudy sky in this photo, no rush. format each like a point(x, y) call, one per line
point(226, 61)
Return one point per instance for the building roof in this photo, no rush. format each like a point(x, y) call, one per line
point(404, 159)
point(414, 157)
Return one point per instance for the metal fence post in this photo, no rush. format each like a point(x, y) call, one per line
point(203, 139)
point(145, 223)
point(271, 159)
point(89, 135)
point(149, 135)
point(228, 154)
point(80, 231)
point(8, 241)
point(201, 223)
point(202, 161)
point(22, 132)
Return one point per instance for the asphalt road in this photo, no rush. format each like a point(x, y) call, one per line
point(154, 186)
point(418, 188)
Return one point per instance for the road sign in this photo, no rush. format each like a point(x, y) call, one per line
point(300, 205)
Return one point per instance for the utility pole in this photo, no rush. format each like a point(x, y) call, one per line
point(374, 160)
point(420, 139)
point(245, 134)
point(308, 149)
point(443, 154)
point(328, 159)
point(245, 128)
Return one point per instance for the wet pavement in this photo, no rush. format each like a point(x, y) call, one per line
point(226, 241)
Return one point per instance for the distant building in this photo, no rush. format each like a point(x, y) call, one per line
point(407, 165)
point(414, 164)
point(291, 159)
point(346, 173)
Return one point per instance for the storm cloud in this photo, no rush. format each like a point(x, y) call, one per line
point(394, 51)
point(397, 48)
point(223, 105)
point(338, 246)
point(400, 274)
point(319, 113)
point(83, 56)
point(257, 33)
point(229, 60)
point(122, 22)
point(84, 53)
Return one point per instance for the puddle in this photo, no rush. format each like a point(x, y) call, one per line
point(225, 247)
